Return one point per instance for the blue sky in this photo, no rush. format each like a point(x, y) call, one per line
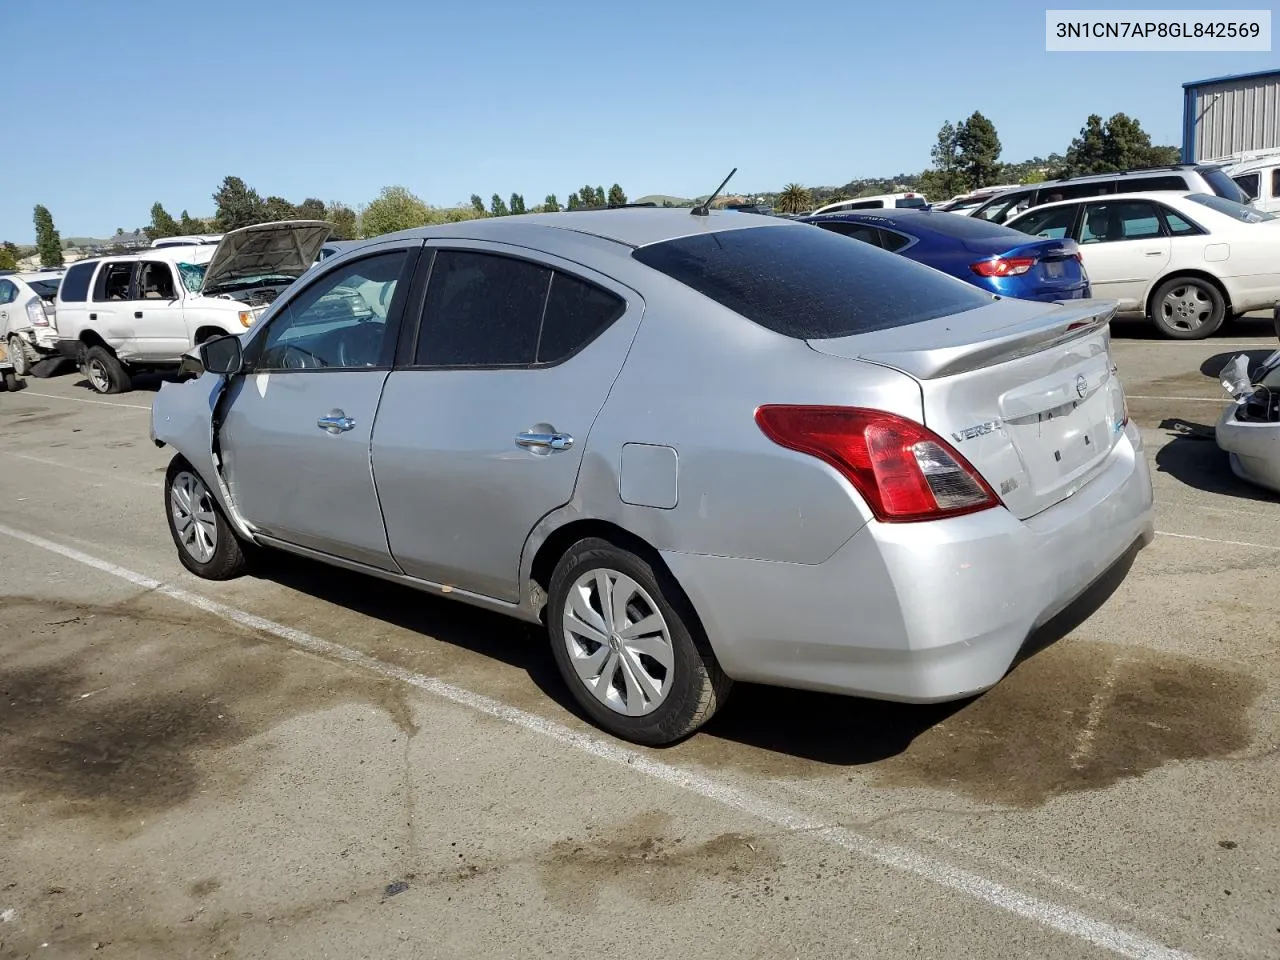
point(139, 101)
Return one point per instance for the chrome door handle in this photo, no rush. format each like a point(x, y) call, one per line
point(335, 423)
point(1155, 253)
point(547, 441)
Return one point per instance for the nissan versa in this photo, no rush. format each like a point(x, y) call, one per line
point(699, 448)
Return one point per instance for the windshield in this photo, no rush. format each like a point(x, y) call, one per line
point(1237, 211)
point(1222, 184)
point(192, 275)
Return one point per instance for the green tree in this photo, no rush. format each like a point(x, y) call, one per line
point(278, 208)
point(794, 199)
point(978, 150)
point(600, 199)
point(343, 219)
point(517, 204)
point(8, 256)
point(189, 225)
point(237, 205)
point(394, 209)
point(949, 179)
point(496, 207)
point(162, 225)
point(477, 203)
point(616, 197)
point(311, 209)
point(551, 204)
point(48, 243)
point(1087, 152)
point(575, 202)
point(587, 196)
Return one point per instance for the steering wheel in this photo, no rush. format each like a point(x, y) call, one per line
point(304, 354)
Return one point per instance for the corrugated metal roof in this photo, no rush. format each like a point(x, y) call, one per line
point(1257, 75)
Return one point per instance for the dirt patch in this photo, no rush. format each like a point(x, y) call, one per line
point(114, 711)
point(642, 859)
point(1080, 716)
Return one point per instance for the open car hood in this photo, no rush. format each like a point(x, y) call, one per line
point(284, 248)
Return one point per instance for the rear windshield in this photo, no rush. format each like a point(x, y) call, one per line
point(962, 228)
point(910, 202)
point(1222, 184)
point(47, 289)
point(810, 283)
point(1237, 211)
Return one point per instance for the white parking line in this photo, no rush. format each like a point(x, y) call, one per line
point(1052, 915)
point(100, 403)
point(87, 471)
point(1225, 543)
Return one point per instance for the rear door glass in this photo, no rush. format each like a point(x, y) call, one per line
point(1122, 220)
point(810, 284)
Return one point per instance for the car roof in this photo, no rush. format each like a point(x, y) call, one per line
point(632, 227)
point(181, 254)
point(38, 275)
point(1162, 196)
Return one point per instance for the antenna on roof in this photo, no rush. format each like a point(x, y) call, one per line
point(703, 209)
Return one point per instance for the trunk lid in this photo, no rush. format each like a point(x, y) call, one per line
point(1026, 392)
point(284, 248)
point(1057, 267)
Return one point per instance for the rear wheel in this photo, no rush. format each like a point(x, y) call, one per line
point(22, 354)
point(104, 371)
point(207, 546)
point(1188, 308)
point(11, 381)
point(629, 646)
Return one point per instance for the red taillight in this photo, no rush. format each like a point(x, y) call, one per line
point(1003, 266)
point(903, 470)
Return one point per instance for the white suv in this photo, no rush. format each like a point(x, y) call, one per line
point(26, 316)
point(120, 315)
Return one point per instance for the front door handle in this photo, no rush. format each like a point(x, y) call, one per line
point(335, 423)
point(1155, 253)
point(545, 441)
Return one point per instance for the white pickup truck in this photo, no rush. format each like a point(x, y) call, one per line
point(120, 315)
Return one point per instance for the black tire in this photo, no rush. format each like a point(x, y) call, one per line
point(698, 687)
point(11, 382)
point(105, 373)
point(22, 355)
point(228, 558)
point(47, 367)
point(1188, 308)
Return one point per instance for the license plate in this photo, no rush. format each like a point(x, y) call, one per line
point(1053, 268)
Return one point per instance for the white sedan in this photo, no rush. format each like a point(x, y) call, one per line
point(1186, 261)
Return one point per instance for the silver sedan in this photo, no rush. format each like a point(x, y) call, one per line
point(698, 448)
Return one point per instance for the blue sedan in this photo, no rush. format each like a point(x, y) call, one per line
point(988, 255)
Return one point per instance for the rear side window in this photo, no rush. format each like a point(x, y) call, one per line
point(809, 284)
point(1138, 184)
point(1178, 225)
point(855, 231)
point(577, 312)
point(1249, 183)
point(75, 285)
point(488, 310)
point(892, 240)
point(482, 310)
point(1275, 182)
point(113, 281)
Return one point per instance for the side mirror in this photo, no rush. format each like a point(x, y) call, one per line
point(224, 355)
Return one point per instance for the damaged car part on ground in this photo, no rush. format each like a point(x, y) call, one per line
point(1249, 429)
point(681, 443)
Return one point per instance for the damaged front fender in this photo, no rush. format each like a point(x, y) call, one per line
point(184, 416)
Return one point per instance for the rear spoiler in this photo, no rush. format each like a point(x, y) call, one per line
point(1067, 323)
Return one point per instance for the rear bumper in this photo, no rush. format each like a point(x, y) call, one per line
point(1253, 448)
point(920, 612)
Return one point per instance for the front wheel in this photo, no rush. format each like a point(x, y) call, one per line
point(628, 644)
point(207, 546)
point(1188, 308)
point(105, 372)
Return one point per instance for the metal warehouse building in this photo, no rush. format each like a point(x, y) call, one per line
point(1228, 115)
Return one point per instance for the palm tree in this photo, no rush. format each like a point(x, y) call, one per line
point(794, 199)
